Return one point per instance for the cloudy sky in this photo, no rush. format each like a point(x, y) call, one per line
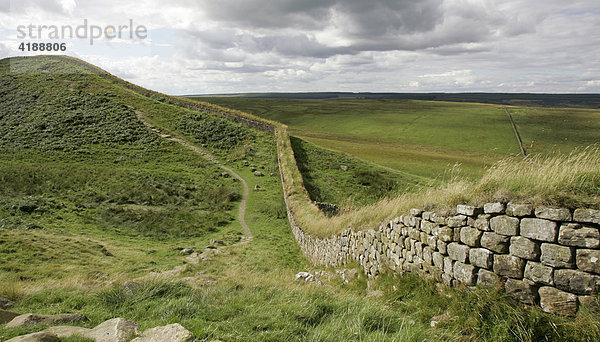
point(228, 46)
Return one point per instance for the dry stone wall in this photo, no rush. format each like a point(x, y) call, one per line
point(542, 256)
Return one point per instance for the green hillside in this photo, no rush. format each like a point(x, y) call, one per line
point(102, 184)
point(422, 138)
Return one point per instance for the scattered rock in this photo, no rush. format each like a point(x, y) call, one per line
point(252, 169)
point(172, 333)
point(261, 167)
point(217, 242)
point(224, 175)
point(7, 316)
point(5, 303)
point(67, 331)
point(258, 174)
point(257, 187)
point(113, 330)
point(307, 277)
point(245, 163)
point(344, 167)
point(35, 337)
point(186, 251)
point(30, 320)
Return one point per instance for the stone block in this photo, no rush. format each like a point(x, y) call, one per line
point(470, 236)
point(539, 229)
point(428, 227)
point(557, 256)
point(555, 214)
point(415, 212)
point(557, 302)
point(516, 209)
point(590, 302)
point(495, 242)
point(457, 221)
point(446, 234)
point(442, 247)
point(466, 274)
point(468, 210)
point(588, 260)
point(432, 241)
point(508, 266)
point(576, 281)
point(572, 234)
point(587, 216)
point(448, 265)
point(482, 223)
point(427, 257)
point(521, 290)
point(539, 273)
point(487, 278)
point(494, 208)
point(481, 257)
point(505, 225)
point(438, 260)
point(458, 252)
point(524, 248)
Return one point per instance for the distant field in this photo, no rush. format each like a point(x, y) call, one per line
point(425, 138)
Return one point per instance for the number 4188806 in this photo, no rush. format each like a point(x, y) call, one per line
point(43, 46)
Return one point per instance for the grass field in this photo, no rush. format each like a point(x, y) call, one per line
point(84, 210)
point(426, 139)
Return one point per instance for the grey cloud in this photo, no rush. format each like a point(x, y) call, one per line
point(20, 6)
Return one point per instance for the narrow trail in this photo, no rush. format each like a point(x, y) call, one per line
point(242, 207)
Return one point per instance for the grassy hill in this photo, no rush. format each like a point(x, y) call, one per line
point(92, 200)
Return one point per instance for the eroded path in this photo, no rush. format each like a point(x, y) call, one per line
point(242, 207)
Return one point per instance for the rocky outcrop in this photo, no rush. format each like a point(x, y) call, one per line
point(172, 333)
point(541, 255)
point(31, 319)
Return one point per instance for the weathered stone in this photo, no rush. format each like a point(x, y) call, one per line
point(524, 248)
point(172, 333)
point(487, 278)
point(468, 210)
point(557, 256)
point(465, 273)
point(576, 281)
point(438, 260)
point(456, 237)
point(514, 209)
point(5, 303)
point(587, 216)
point(458, 252)
point(555, 301)
point(588, 260)
point(35, 337)
point(427, 226)
point(446, 234)
point(7, 316)
point(495, 242)
point(520, 290)
point(572, 234)
point(539, 229)
point(426, 215)
point(415, 211)
point(493, 208)
point(258, 174)
point(590, 302)
point(482, 223)
point(30, 320)
point(556, 214)
point(505, 225)
point(508, 266)
point(427, 257)
point(539, 273)
point(457, 221)
point(470, 236)
point(481, 257)
point(448, 265)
